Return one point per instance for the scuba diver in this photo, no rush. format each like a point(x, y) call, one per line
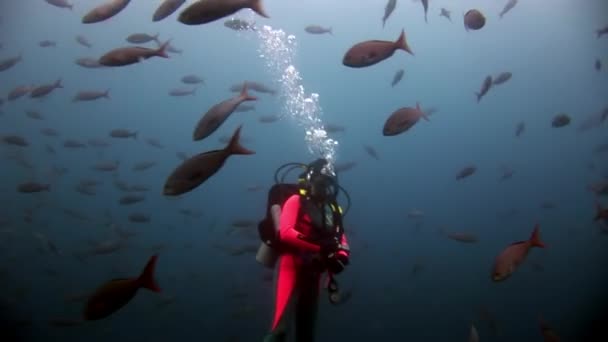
point(303, 231)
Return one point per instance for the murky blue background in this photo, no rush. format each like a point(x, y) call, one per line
point(549, 46)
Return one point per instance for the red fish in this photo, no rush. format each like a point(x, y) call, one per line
point(371, 52)
point(118, 292)
point(512, 256)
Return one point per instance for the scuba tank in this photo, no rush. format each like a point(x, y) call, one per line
point(267, 255)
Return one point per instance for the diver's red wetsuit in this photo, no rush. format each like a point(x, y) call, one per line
point(299, 272)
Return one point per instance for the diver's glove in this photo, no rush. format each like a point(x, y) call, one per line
point(329, 247)
point(337, 263)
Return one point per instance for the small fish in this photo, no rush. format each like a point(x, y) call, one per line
point(83, 41)
point(425, 5)
point(116, 293)
point(139, 218)
point(71, 143)
point(142, 38)
point(104, 11)
point(598, 65)
point(47, 43)
point(371, 151)
point(182, 92)
point(388, 10)
point(253, 85)
point(167, 8)
point(466, 172)
point(123, 133)
point(32, 114)
point(195, 171)
point(10, 62)
point(602, 32)
point(131, 55)
point(217, 114)
point(91, 95)
point(402, 120)
point(88, 62)
point(511, 257)
point(463, 237)
point(474, 20)
point(49, 132)
point(502, 78)
point(445, 13)
point(560, 120)
point(60, 4)
point(239, 25)
point(397, 78)
point(131, 199)
point(45, 89)
point(192, 79)
point(142, 166)
point(415, 214)
point(33, 187)
point(154, 143)
point(507, 173)
point(19, 92)
point(202, 12)
point(509, 6)
point(15, 140)
point(318, 29)
point(269, 119)
point(371, 52)
point(485, 87)
point(519, 128)
point(85, 190)
point(106, 166)
point(333, 128)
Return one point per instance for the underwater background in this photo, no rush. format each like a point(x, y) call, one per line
point(408, 280)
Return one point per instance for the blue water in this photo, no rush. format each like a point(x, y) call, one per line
point(549, 46)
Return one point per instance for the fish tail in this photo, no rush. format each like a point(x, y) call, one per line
point(402, 43)
point(245, 95)
point(535, 240)
point(135, 135)
point(58, 84)
point(478, 97)
point(162, 50)
point(422, 113)
point(106, 94)
point(234, 146)
point(146, 279)
point(599, 33)
point(256, 6)
point(330, 30)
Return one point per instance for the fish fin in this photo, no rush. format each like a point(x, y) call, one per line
point(245, 95)
point(423, 114)
point(535, 237)
point(256, 6)
point(162, 50)
point(234, 146)
point(402, 43)
point(146, 279)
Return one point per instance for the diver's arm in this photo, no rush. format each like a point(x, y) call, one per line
point(287, 232)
